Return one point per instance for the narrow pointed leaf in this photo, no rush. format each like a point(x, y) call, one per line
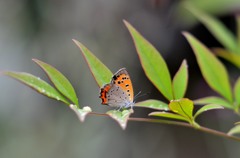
point(81, 113)
point(212, 69)
point(120, 116)
point(217, 28)
point(183, 107)
point(237, 91)
point(100, 72)
point(234, 130)
point(207, 108)
point(152, 62)
point(169, 115)
point(213, 100)
point(59, 81)
point(37, 84)
point(180, 81)
point(231, 57)
point(237, 123)
point(152, 104)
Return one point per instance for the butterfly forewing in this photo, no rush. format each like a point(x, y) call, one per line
point(122, 79)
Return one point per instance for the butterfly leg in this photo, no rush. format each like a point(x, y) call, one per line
point(119, 108)
point(131, 107)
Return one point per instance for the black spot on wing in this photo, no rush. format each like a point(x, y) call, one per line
point(114, 77)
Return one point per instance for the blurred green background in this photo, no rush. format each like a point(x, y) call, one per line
point(32, 125)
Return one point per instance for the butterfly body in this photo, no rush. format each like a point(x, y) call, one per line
point(119, 92)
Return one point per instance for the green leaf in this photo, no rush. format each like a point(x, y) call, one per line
point(81, 113)
point(120, 116)
point(234, 130)
point(169, 115)
point(152, 62)
point(217, 28)
point(231, 57)
point(212, 69)
point(180, 81)
point(183, 107)
point(152, 104)
point(213, 100)
point(59, 80)
point(37, 84)
point(100, 72)
point(237, 123)
point(207, 108)
point(237, 91)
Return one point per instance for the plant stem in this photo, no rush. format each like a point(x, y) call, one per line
point(203, 129)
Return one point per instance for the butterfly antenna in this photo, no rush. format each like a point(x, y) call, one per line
point(138, 95)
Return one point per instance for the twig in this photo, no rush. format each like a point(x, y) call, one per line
point(203, 129)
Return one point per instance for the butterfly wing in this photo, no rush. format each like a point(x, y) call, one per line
point(116, 97)
point(103, 93)
point(122, 79)
point(118, 93)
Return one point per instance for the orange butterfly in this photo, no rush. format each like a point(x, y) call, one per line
point(119, 92)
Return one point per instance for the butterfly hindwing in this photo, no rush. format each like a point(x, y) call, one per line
point(103, 93)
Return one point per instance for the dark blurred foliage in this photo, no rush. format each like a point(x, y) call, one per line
point(34, 126)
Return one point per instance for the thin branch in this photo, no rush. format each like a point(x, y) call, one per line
point(203, 129)
point(98, 114)
point(183, 124)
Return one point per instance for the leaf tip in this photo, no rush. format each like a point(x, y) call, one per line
point(36, 61)
point(129, 26)
point(125, 22)
point(185, 33)
point(79, 44)
point(185, 61)
point(233, 131)
point(75, 41)
point(4, 73)
point(154, 113)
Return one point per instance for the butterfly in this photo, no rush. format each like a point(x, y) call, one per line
point(119, 92)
